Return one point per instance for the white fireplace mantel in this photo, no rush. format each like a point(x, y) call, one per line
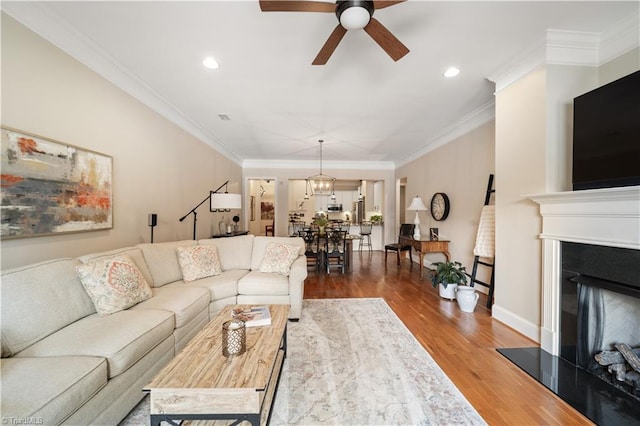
point(606, 217)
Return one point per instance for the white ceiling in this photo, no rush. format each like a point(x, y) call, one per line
point(362, 104)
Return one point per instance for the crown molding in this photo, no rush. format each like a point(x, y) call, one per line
point(313, 164)
point(572, 48)
point(39, 18)
point(475, 119)
point(561, 47)
point(522, 64)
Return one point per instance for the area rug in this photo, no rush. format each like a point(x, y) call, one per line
point(353, 362)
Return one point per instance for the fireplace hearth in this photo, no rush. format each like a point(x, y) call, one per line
point(599, 311)
point(590, 299)
point(596, 399)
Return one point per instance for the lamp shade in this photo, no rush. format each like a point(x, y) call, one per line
point(417, 205)
point(220, 201)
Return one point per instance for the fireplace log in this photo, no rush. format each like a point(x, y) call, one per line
point(612, 357)
point(633, 378)
point(620, 370)
point(629, 355)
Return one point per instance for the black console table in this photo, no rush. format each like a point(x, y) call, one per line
point(231, 234)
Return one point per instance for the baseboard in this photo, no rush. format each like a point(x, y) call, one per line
point(519, 324)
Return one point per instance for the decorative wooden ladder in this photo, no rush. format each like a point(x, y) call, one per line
point(476, 259)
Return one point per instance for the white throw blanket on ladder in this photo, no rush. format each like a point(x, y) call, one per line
point(485, 238)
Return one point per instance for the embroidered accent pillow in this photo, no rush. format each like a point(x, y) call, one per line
point(198, 262)
point(278, 258)
point(114, 284)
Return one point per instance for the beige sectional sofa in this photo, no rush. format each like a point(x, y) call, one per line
point(62, 362)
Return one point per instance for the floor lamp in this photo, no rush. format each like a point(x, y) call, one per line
point(218, 202)
point(418, 206)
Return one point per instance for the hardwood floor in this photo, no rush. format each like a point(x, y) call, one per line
point(463, 344)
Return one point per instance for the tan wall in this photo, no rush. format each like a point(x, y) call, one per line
point(460, 169)
point(520, 170)
point(534, 119)
point(157, 167)
point(620, 66)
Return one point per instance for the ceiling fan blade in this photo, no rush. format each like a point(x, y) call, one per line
point(382, 4)
point(296, 6)
point(386, 40)
point(330, 45)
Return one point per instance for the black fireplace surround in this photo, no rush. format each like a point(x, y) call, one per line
point(587, 270)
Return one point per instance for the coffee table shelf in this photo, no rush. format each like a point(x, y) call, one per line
point(201, 384)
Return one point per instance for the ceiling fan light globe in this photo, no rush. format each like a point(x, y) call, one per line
point(355, 18)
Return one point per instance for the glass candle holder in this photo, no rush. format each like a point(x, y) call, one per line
point(234, 338)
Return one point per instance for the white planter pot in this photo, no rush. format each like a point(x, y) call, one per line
point(467, 298)
point(449, 292)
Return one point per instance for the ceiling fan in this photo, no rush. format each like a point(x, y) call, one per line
point(352, 15)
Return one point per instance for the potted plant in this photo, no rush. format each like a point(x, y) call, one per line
point(376, 219)
point(321, 221)
point(447, 276)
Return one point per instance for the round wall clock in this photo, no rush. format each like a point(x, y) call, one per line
point(439, 206)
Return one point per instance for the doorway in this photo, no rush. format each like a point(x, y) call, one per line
point(262, 206)
point(402, 200)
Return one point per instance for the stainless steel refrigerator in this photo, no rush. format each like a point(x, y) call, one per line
point(358, 211)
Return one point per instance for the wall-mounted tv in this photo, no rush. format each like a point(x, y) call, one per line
point(606, 135)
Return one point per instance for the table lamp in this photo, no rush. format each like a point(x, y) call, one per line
point(418, 206)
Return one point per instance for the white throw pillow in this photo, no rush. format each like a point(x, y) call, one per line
point(114, 284)
point(278, 258)
point(198, 262)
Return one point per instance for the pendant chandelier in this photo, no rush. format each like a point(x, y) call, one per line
point(320, 184)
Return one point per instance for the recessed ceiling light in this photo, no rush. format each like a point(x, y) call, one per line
point(211, 63)
point(451, 72)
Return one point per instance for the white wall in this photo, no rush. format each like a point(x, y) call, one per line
point(157, 167)
point(461, 169)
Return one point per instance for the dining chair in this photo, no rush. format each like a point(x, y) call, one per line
point(406, 230)
point(312, 248)
point(335, 250)
point(270, 229)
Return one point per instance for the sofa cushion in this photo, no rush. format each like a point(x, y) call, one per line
point(199, 261)
point(185, 302)
point(113, 283)
point(219, 286)
point(234, 252)
point(278, 258)
point(162, 260)
point(260, 244)
point(122, 338)
point(134, 252)
point(37, 293)
point(256, 282)
point(49, 388)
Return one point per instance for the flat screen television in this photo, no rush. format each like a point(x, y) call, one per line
point(606, 135)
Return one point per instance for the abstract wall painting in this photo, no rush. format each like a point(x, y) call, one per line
point(49, 187)
point(267, 210)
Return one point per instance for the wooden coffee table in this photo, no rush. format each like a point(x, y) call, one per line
point(201, 384)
